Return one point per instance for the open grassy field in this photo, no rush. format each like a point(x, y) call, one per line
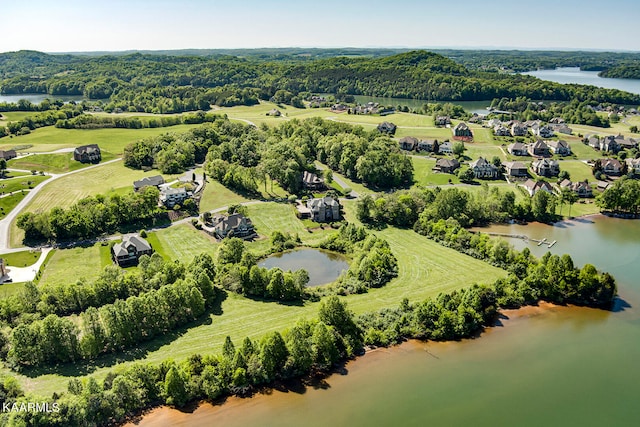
point(182, 242)
point(578, 171)
point(21, 259)
point(24, 182)
point(217, 195)
point(9, 202)
point(111, 140)
point(423, 173)
point(53, 163)
point(69, 265)
point(426, 269)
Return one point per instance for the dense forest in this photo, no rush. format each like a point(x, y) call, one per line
point(157, 83)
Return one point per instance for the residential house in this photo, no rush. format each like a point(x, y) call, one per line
point(633, 165)
point(7, 154)
point(538, 148)
point(3, 269)
point(516, 169)
point(173, 196)
point(387, 127)
point(518, 129)
point(562, 128)
point(324, 209)
point(546, 167)
point(447, 165)
point(442, 120)
point(408, 143)
point(87, 154)
point(477, 118)
point(462, 132)
point(533, 187)
point(274, 113)
point(518, 149)
point(626, 143)
point(592, 141)
point(557, 121)
point(428, 145)
point(608, 143)
point(542, 131)
point(501, 131)
point(150, 181)
point(339, 107)
point(445, 148)
point(495, 122)
point(602, 185)
point(560, 147)
point(311, 181)
point(484, 169)
point(581, 188)
point(234, 225)
point(611, 167)
point(129, 251)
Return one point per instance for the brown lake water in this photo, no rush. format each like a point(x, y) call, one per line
point(541, 366)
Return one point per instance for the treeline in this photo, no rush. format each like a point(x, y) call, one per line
point(488, 205)
point(622, 71)
point(164, 84)
point(317, 345)
point(91, 216)
point(574, 111)
point(35, 302)
point(373, 264)
point(242, 157)
point(112, 327)
point(623, 196)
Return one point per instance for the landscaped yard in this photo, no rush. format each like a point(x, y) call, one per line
point(182, 242)
point(425, 175)
point(217, 195)
point(578, 170)
point(21, 259)
point(69, 265)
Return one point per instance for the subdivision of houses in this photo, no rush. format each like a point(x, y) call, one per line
point(518, 149)
point(546, 167)
point(387, 127)
point(129, 251)
point(408, 143)
point(516, 169)
point(484, 169)
point(538, 148)
point(560, 147)
point(462, 132)
point(581, 188)
point(447, 165)
point(533, 187)
point(87, 154)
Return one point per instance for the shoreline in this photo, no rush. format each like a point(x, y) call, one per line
point(198, 412)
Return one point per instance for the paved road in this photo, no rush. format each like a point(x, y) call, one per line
point(5, 224)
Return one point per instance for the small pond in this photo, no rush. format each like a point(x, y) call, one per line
point(323, 267)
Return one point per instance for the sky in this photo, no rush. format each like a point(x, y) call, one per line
point(117, 25)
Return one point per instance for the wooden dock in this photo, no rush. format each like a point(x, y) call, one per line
point(539, 242)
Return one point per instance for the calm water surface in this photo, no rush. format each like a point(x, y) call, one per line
point(548, 366)
point(575, 75)
point(36, 98)
point(323, 267)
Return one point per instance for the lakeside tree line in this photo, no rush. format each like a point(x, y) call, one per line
point(170, 84)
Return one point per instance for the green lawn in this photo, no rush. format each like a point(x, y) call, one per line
point(424, 175)
point(8, 289)
point(110, 140)
point(426, 269)
point(53, 163)
point(69, 265)
point(21, 259)
point(182, 242)
point(578, 171)
point(217, 195)
point(24, 182)
point(9, 202)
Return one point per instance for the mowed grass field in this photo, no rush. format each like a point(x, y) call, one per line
point(216, 195)
point(423, 173)
point(111, 140)
point(53, 163)
point(425, 267)
point(70, 265)
point(21, 259)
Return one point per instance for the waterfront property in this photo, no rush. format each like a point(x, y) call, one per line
point(324, 209)
point(581, 188)
point(129, 251)
point(533, 187)
point(87, 154)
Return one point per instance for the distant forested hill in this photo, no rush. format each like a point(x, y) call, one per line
point(162, 83)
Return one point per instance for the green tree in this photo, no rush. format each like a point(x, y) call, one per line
point(458, 148)
point(175, 388)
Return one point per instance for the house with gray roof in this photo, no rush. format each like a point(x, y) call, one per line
point(234, 225)
point(560, 147)
point(518, 149)
point(516, 169)
point(87, 154)
point(129, 251)
point(173, 196)
point(324, 209)
point(546, 167)
point(149, 181)
point(311, 181)
point(533, 187)
point(484, 169)
point(447, 165)
point(7, 154)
